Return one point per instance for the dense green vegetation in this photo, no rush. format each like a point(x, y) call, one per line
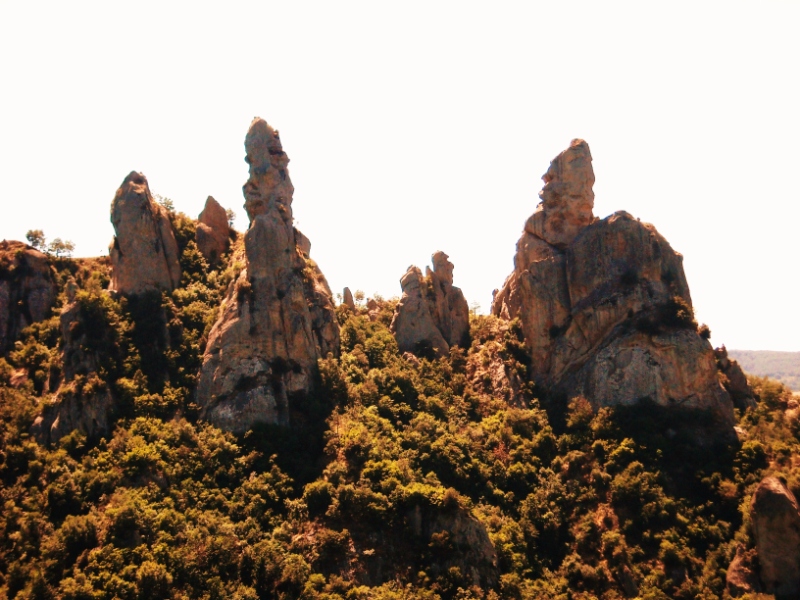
point(783, 366)
point(407, 478)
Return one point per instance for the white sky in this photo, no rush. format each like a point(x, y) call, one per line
point(418, 126)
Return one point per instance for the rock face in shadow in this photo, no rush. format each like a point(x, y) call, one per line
point(213, 231)
point(278, 317)
point(144, 253)
point(604, 304)
point(82, 401)
point(433, 314)
point(27, 290)
point(776, 527)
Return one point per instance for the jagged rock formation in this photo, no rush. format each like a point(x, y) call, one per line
point(735, 381)
point(27, 290)
point(278, 318)
point(213, 231)
point(604, 304)
point(347, 299)
point(432, 312)
point(776, 527)
point(144, 253)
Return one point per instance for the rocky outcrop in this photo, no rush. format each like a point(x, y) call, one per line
point(742, 574)
point(82, 400)
point(144, 253)
point(213, 231)
point(347, 299)
point(776, 527)
point(278, 317)
point(604, 304)
point(432, 313)
point(734, 380)
point(27, 290)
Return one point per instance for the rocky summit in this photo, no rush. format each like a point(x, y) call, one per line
point(278, 317)
point(432, 314)
point(604, 304)
point(27, 290)
point(213, 231)
point(144, 253)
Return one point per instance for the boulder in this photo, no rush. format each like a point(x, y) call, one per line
point(432, 313)
point(278, 317)
point(213, 231)
point(27, 290)
point(776, 528)
point(144, 253)
point(604, 304)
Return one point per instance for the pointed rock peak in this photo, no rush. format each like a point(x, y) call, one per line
point(442, 267)
point(213, 213)
point(261, 144)
point(212, 231)
point(144, 253)
point(347, 298)
point(567, 198)
point(269, 186)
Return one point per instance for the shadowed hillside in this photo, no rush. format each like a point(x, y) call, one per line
point(783, 366)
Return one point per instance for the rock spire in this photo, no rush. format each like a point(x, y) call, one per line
point(144, 253)
point(212, 231)
point(278, 318)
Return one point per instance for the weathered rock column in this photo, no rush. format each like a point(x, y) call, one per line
point(278, 318)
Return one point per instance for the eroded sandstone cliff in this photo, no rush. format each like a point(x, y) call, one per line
point(604, 304)
point(278, 317)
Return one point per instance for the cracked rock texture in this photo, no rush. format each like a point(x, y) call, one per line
point(144, 253)
point(278, 316)
point(604, 304)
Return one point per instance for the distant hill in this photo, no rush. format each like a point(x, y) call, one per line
point(783, 366)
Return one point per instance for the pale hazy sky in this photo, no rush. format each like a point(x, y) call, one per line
point(418, 126)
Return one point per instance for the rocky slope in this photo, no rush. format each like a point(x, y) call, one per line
point(278, 317)
point(604, 304)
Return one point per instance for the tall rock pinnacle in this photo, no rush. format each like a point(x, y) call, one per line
point(278, 318)
point(144, 253)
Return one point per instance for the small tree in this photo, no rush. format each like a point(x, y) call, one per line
point(231, 216)
point(165, 202)
point(61, 248)
point(36, 239)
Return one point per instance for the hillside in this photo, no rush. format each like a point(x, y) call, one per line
point(783, 366)
point(194, 417)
